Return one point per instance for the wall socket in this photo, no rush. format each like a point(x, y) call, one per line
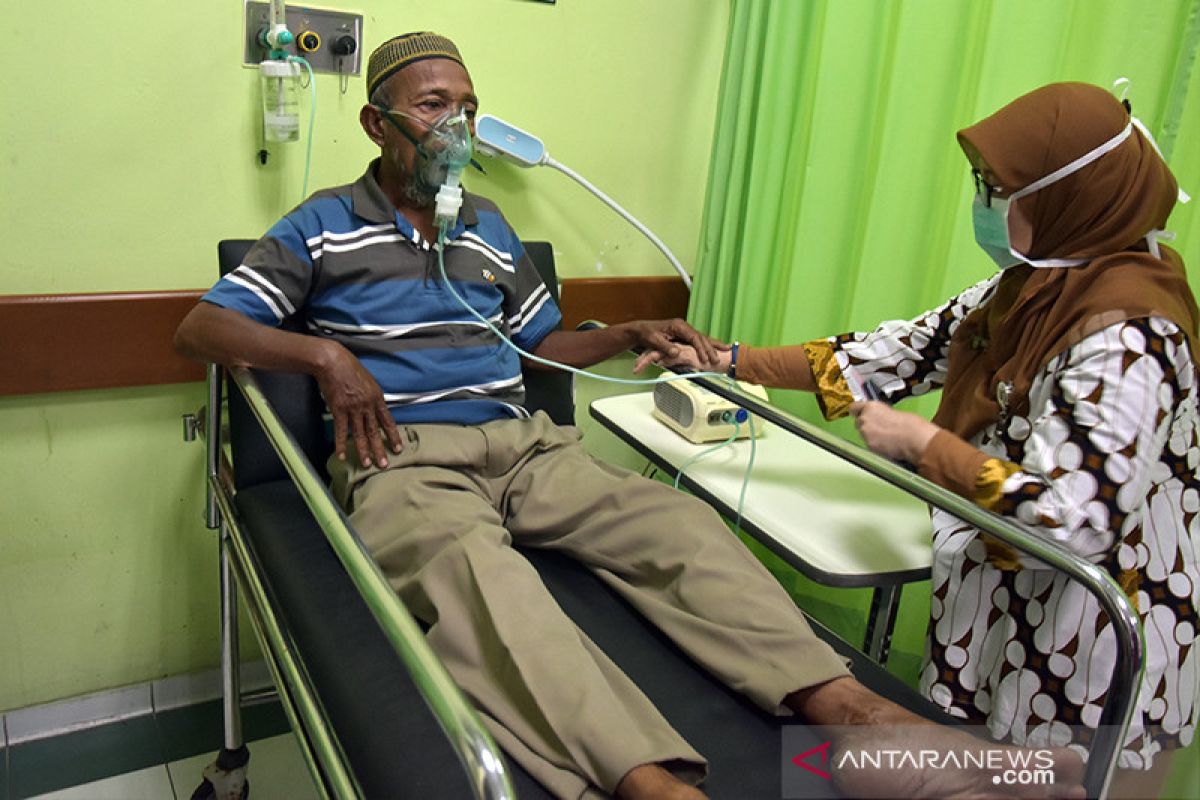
point(322, 37)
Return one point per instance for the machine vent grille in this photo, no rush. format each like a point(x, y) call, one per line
point(673, 403)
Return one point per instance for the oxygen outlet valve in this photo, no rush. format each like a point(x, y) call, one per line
point(344, 45)
point(308, 41)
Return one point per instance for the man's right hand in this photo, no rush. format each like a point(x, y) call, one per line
point(222, 336)
point(358, 408)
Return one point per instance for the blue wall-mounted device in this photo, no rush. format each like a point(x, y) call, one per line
point(495, 137)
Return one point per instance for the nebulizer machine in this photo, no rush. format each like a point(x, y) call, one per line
point(448, 147)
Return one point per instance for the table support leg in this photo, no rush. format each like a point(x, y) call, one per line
point(880, 621)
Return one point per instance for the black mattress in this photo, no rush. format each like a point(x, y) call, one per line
point(391, 739)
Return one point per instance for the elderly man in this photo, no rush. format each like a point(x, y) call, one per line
point(441, 469)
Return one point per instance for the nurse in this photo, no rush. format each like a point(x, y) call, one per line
point(1068, 403)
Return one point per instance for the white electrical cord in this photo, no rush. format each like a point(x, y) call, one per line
point(550, 162)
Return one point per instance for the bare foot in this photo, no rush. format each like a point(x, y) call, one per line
point(652, 782)
point(883, 750)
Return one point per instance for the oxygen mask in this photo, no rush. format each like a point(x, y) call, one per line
point(442, 153)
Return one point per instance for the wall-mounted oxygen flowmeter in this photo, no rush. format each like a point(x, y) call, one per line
point(279, 76)
point(282, 41)
point(331, 41)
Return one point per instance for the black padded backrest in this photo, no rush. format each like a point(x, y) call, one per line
point(551, 391)
point(298, 402)
point(294, 396)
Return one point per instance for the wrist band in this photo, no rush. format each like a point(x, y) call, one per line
point(732, 371)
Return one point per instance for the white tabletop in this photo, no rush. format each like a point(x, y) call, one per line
point(836, 523)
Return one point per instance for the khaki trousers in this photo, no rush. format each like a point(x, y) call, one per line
point(440, 520)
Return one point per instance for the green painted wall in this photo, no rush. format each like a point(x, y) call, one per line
point(107, 575)
point(122, 166)
point(129, 150)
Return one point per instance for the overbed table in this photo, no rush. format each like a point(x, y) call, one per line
point(836, 524)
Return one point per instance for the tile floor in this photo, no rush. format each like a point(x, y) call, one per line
point(157, 756)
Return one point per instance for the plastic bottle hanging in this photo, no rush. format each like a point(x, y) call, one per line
point(280, 81)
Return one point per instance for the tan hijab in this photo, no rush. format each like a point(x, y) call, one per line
point(1103, 212)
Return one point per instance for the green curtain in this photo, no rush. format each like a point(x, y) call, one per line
point(837, 194)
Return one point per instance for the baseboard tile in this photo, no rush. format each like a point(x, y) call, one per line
point(113, 705)
point(178, 691)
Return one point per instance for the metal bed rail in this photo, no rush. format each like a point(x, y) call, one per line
point(477, 752)
point(239, 567)
point(296, 695)
point(1127, 671)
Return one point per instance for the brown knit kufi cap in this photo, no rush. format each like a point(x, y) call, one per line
point(397, 53)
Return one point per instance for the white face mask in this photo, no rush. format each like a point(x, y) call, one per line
point(991, 221)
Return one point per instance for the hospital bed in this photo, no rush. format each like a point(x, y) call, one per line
point(374, 712)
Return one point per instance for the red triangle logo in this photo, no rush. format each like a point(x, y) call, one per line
point(802, 760)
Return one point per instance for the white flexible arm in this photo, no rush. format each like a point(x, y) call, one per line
point(550, 162)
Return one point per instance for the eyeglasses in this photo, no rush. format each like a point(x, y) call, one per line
point(434, 129)
point(390, 114)
point(983, 188)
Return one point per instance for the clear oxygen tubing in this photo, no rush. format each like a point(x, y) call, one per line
point(441, 247)
point(441, 250)
point(737, 523)
point(737, 429)
point(550, 162)
point(312, 118)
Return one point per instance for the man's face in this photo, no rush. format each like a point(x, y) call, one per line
point(426, 90)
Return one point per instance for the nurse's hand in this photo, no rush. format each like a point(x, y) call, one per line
point(686, 358)
point(893, 434)
point(670, 336)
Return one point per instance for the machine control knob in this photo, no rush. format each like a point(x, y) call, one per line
point(344, 45)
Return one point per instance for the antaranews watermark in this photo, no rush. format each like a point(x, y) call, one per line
point(1009, 765)
point(906, 761)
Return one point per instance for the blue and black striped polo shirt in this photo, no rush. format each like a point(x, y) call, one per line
point(359, 273)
